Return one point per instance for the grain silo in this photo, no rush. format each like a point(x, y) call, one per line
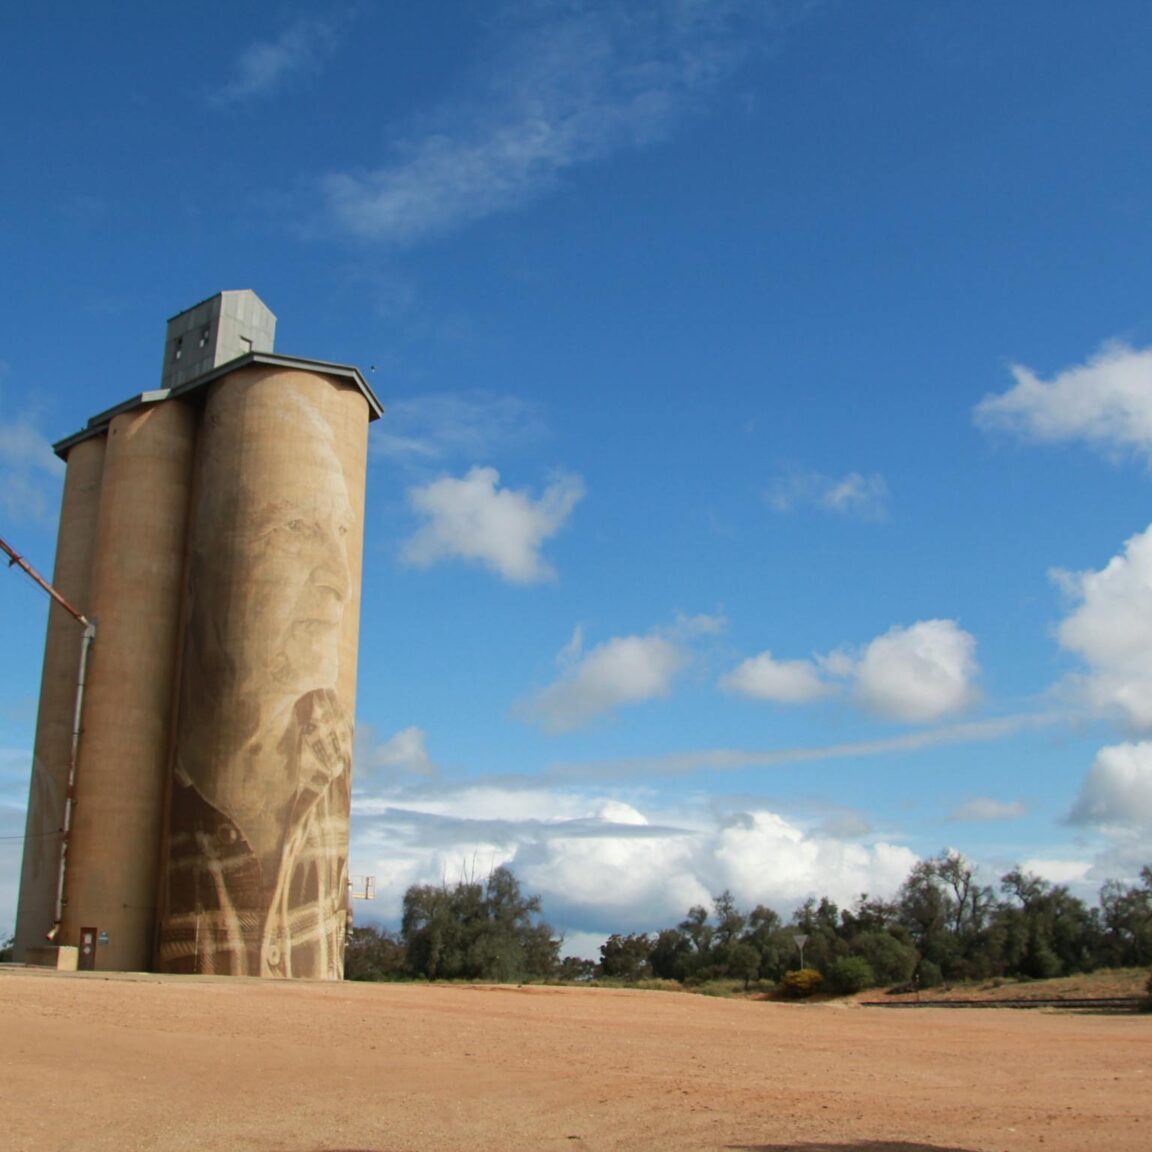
point(213, 777)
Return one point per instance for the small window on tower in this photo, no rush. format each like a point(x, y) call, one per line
point(204, 337)
point(178, 351)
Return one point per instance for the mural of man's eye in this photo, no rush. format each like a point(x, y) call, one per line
point(295, 525)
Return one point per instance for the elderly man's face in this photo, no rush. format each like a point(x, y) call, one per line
point(298, 584)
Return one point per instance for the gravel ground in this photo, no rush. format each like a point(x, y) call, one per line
point(172, 1064)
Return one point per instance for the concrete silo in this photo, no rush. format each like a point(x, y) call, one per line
point(256, 876)
point(223, 570)
point(136, 592)
point(75, 547)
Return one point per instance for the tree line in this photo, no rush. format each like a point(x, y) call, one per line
point(942, 926)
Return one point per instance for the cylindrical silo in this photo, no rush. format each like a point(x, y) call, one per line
point(256, 879)
point(137, 585)
point(75, 547)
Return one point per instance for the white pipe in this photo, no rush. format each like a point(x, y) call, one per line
point(85, 645)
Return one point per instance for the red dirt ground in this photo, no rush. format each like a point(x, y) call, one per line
point(172, 1064)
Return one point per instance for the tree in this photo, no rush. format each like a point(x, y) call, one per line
point(671, 955)
point(766, 933)
point(373, 955)
point(477, 932)
point(1126, 922)
point(626, 957)
point(1048, 930)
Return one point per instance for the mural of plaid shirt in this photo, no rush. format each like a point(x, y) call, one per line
point(226, 912)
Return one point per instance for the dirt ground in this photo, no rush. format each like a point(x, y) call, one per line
point(160, 1064)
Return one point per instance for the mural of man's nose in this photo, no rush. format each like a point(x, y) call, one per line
point(332, 571)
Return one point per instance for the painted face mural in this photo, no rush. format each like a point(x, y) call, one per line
point(257, 868)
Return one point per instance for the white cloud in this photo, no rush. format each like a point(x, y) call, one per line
point(266, 66)
point(569, 85)
point(1117, 791)
point(1058, 871)
point(864, 497)
point(604, 863)
point(1111, 630)
point(780, 681)
point(455, 425)
point(30, 473)
point(474, 519)
point(403, 754)
point(918, 674)
point(1106, 402)
point(986, 808)
point(621, 671)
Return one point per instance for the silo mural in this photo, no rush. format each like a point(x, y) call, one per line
point(223, 561)
point(256, 879)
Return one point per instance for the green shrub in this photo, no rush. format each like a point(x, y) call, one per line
point(928, 975)
point(850, 974)
point(892, 961)
point(800, 984)
point(656, 984)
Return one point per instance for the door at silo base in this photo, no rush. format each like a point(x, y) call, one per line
point(87, 949)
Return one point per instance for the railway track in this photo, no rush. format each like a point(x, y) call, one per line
point(1074, 1004)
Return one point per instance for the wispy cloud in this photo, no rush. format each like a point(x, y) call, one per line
point(737, 759)
point(1105, 402)
point(853, 494)
point(619, 672)
point(476, 520)
point(30, 473)
point(985, 808)
point(570, 85)
point(450, 426)
point(401, 756)
point(263, 68)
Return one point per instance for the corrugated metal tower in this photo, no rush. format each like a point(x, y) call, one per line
point(213, 530)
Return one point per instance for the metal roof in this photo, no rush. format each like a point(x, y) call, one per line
point(98, 424)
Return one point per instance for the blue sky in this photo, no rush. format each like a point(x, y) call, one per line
point(762, 500)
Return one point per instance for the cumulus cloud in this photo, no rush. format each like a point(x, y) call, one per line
point(455, 425)
point(1105, 402)
point(916, 675)
point(1117, 791)
point(569, 85)
point(1111, 630)
point(781, 681)
point(502, 529)
point(604, 862)
point(863, 497)
point(265, 67)
point(621, 671)
point(30, 473)
point(986, 808)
